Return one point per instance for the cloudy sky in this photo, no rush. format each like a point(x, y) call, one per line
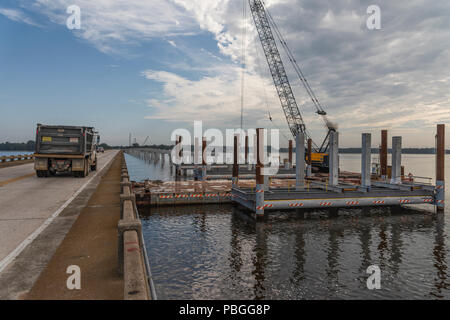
point(149, 67)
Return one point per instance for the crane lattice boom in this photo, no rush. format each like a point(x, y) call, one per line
point(280, 78)
point(263, 21)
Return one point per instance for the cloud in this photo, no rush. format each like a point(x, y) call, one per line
point(18, 16)
point(395, 77)
point(390, 78)
point(110, 25)
point(216, 100)
point(172, 43)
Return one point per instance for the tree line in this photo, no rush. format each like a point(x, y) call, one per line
point(17, 146)
point(30, 145)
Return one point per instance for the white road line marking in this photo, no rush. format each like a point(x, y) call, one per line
point(13, 254)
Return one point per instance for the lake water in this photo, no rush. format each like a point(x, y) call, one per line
point(217, 252)
point(14, 153)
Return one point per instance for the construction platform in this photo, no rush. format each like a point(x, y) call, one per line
point(340, 196)
point(214, 191)
point(282, 193)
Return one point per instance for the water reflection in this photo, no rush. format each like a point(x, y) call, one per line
point(218, 252)
point(332, 266)
point(365, 239)
point(298, 273)
point(440, 280)
point(223, 254)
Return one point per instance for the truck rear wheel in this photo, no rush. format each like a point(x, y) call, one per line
point(85, 172)
point(94, 166)
point(42, 173)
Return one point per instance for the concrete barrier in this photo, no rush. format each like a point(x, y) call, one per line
point(133, 262)
point(13, 158)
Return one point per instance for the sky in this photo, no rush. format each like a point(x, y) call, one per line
point(150, 67)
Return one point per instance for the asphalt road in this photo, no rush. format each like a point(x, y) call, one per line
point(28, 203)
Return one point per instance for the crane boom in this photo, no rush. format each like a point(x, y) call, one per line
point(263, 19)
point(279, 75)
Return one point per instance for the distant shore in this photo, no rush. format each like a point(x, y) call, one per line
point(30, 146)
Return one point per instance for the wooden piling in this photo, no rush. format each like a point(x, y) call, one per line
point(259, 173)
point(440, 168)
point(204, 159)
point(246, 149)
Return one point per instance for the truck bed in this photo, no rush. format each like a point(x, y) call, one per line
point(63, 140)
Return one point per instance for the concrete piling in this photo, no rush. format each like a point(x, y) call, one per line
point(259, 203)
point(255, 149)
point(334, 159)
point(366, 159)
point(383, 154)
point(196, 151)
point(300, 160)
point(290, 154)
point(309, 161)
point(440, 165)
point(396, 173)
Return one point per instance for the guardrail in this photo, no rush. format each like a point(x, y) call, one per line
point(19, 157)
point(133, 260)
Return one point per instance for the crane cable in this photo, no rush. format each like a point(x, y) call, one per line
point(297, 69)
point(258, 62)
point(244, 38)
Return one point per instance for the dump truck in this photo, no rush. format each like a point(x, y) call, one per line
point(68, 149)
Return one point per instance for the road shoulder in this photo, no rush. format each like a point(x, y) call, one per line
point(21, 274)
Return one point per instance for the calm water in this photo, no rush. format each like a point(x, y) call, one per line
point(13, 153)
point(217, 252)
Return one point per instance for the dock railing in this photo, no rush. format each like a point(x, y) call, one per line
point(133, 260)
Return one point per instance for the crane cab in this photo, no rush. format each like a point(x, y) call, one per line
point(319, 161)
